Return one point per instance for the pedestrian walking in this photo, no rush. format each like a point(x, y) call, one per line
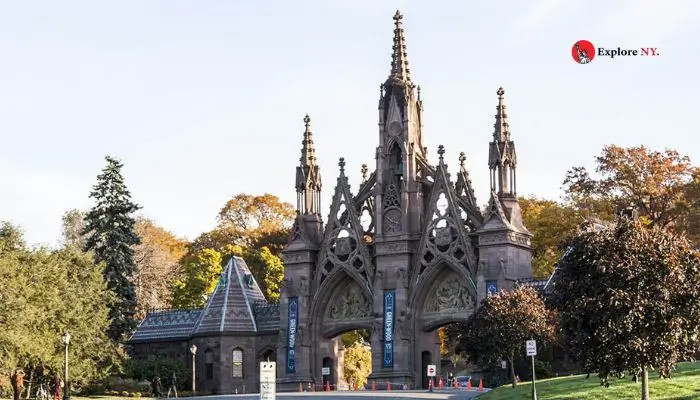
point(157, 387)
point(173, 386)
point(56, 388)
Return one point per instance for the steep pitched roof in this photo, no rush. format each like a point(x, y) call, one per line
point(166, 325)
point(231, 306)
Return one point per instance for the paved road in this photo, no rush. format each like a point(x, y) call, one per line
point(396, 395)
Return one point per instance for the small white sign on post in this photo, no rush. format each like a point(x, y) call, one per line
point(531, 348)
point(268, 380)
point(325, 371)
point(504, 364)
point(432, 370)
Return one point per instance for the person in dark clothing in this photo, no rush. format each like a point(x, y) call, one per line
point(173, 386)
point(157, 387)
point(56, 388)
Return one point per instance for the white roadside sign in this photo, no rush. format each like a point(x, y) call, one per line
point(268, 380)
point(325, 371)
point(432, 371)
point(531, 348)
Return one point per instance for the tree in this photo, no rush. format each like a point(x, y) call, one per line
point(552, 224)
point(690, 220)
point(11, 237)
point(109, 227)
point(499, 328)
point(652, 181)
point(73, 226)
point(264, 213)
point(628, 298)
point(199, 278)
point(45, 293)
point(357, 363)
point(157, 256)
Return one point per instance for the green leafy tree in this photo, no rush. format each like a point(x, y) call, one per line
point(499, 328)
point(199, 278)
point(10, 237)
point(45, 293)
point(628, 298)
point(109, 227)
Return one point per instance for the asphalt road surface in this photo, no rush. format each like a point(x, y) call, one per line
point(395, 395)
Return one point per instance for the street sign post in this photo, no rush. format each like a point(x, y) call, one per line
point(531, 351)
point(431, 371)
point(268, 380)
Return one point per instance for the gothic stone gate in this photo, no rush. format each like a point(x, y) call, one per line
point(402, 318)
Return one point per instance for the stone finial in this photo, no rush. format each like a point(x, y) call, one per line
point(500, 93)
point(398, 16)
point(341, 164)
point(441, 153)
point(307, 120)
point(418, 90)
point(364, 171)
point(462, 159)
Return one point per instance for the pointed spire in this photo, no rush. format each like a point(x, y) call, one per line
point(462, 159)
point(341, 164)
point(308, 153)
point(399, 58)
point(501, 131)
point(441, 153)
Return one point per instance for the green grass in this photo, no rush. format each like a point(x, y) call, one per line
point(683, 385)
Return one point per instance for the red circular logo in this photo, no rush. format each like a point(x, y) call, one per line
point(583, 51)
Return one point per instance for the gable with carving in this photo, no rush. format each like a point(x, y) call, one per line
point(344, 246)
point(350, 304)
point(444, 237)
point(450, 296)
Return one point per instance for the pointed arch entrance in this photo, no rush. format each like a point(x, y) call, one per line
point(343, 304)
point(445, 295)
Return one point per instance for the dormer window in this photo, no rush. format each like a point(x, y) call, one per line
point(248, 279)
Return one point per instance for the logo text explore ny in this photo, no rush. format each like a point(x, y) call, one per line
point(583, 52)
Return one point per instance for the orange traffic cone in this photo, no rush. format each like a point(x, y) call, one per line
point(388, 387)
point(328, 386)
point(469, 384)
point(301, 388)
point(481, 385)
point(441, 384)
point(374, 386)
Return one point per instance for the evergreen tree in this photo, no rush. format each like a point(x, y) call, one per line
point(109, 227)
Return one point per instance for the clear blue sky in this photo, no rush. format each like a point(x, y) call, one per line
point(204, 99)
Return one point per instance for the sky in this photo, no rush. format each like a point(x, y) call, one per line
point(204, 99)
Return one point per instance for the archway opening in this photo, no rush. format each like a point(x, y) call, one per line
point(346, 360)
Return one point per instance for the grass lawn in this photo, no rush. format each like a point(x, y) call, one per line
point(683, 385)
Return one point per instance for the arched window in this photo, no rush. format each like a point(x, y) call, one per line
point(237, 363)
point(209, 364)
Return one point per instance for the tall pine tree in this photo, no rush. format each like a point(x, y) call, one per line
point(109, 227)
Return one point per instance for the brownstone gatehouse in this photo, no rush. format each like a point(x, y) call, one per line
point(408, 252)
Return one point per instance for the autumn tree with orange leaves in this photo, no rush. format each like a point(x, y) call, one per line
point(656, 183)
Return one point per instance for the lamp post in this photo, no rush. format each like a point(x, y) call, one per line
point(193, 350)
point(65, 339)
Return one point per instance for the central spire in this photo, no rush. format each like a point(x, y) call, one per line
point(399, 58)
point(501, 132)
point(308, 153)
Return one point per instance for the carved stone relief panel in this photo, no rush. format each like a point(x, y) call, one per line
point(450, 295)
point(350, 304)
point(391, 248)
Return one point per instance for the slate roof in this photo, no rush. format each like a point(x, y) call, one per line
point(236, 305)
point(230, 307)
point(167, 325)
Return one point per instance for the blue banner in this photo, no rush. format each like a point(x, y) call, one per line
point(389, 297)
point(491, 288)
point(292, 324)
